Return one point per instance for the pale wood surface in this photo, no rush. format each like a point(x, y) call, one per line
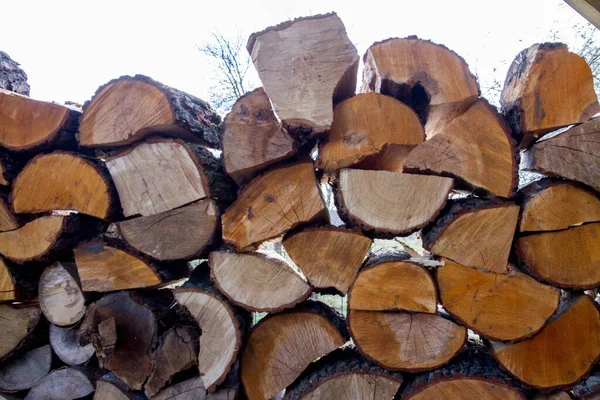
point(107, 391)
point(466, 388)
point(17, 324)
point(589, 9)
point(33, 240)
point(7, 285)
point(390, 158)
point(25, 371)
point(7, 220)
point(193, 389)
point(355, 386)
point(62, 384)
point(60, 296)
point(64, 344)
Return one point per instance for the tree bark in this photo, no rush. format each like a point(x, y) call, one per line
point(12, 77)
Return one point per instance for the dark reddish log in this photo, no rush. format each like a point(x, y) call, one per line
point(12, 77)
point(25, 371)
point(67, 383)
point(65, 346)
point(60, 295)
point(18, 323)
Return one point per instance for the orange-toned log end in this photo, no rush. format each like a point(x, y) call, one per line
point(8, 290)
point(34, 240)
point(390, 203)
point(282, 345)
point(506, 307)
point(568, 258)
point(475, 147)
point(18, 322)
point(252, 137)
point(547, 87)
point(562, 353)
point(465, 388)
point(329, 257)
point(257, 282)
point(62, 181)
point(474, 232)
point(550, 205)
point(272, 204)
point(363, 125)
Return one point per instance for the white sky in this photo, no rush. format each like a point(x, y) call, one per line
point(69, 48)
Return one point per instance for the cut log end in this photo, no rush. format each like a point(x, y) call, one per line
point(8, 291)
point(34, 240)
point(64, 383)
point(18, 322)
point(466, 388)
point(25, 371)
point(65, 346)
point(60, 295)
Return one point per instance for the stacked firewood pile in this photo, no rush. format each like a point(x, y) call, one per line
point(103, 210)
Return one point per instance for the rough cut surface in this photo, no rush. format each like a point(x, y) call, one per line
point(60, 296)
point(62, 384)
point(7, 219)
point(25, 371)
point(64, 344)
point(18, 322)
point(33, 240)
point(12, 77)
point(193, 389)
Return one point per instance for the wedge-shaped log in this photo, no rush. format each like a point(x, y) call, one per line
point(193, 388)
point(60, 295)
point(12, 76)
point(8, 290)
point(128, 109)
point(67, 383)
point(34, 240)
point(64, 344)
point(7, 219)
point(108, 390)
point(588, 388)
point(390, 158)
point(18, 323)
point(25, 371)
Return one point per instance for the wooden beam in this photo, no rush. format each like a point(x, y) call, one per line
point(589, 9)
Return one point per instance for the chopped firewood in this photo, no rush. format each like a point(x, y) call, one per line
point(129, 109)
point(496, 306)
point(253, 138)
point(25, 371)
point(329, 257)
point(272, 204)
point(547, 87)
point(60, 295)
point(7, 220)
point(363, 125)
point(390, 158)
point(64, 344)
point(475, 147)
point(8, 291)
point(390, 203)
point(193, 389)
point(306, 66)
point(34, 240)
point(562, 353)
point(62, 384)
point(553, 396)
point(282, 345)
point(474, 232)
point(18, 323)
point(257, 282)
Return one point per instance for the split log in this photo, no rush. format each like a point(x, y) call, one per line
point(390, 158)
point(253, 138)
point(569, 258)
point(550, 205)
point(546, 88)
point(554, 396)
point(106, 390)
point(572, 154)
point(25, 371)
point(65, 346)
point(389, 203)
point(8, 290)
point(18, 323)
point(474, 147)
point(426, 76)
point(60, 295)
point(257, 281)
point(7, 219)
point(179, 234)
point(193, 389)
point(329, 257)
point(496, 306)
point(12, 77)
point(561, 353)
point(363, 125)
point(344, 374)
point(282, 345)
point(62, 384)
point(34, 240)
point(81, 185)
point(272, 204)
point(474, 232)
point(129, 109)
point(588, 388)
point(306, 66)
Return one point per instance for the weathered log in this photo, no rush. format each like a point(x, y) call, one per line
point(193, 389)
point(62, 384)
point(12, 77)
point(7, 219)
point(60, 295)
point(25, 371)
point(18, 323)
point(65, 346)
point(8, 289)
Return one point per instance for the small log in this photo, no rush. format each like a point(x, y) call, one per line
point(561, 395)
point(193, 389)
point(588, 388)
point(129, 109)
point(65, 346)
point(257, 282)
point(474, 232)
point(272, 204)
point(386, 203)
point(7, 219)
point(106, 390)
point(81, 185)
point(496, 306)
point(390, 158)
point(12, 77)
point(62, 384)
point(569, 258)
point(363, 125)
point(253, 138)
point(18, 323)
point(25, 371)
point(329, 257)
point(34, 240)
point(282, 345)
point(475, 147)
point(60, 295)
point(561, 353)
point(8, 290)
point(547, 87)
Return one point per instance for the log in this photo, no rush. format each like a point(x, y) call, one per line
point(569, 258)
point(12, 77)
point(252, 137)
point(64, 344)
point(474, 232)
point(82, 185)
point(561, 395)
point(180, 234)
point(193, 389)
point(256, 281)
point(390, 158)
point(386, 203)
point(562, 353)
point(8, 289)
point(25, 371)
point(426, 76)
point(282, 345)
point(106, 390)
point(363, 125)
point(329, 257)
point(572, 154)
point(546, 88)
point(273, 204)
point(18, 323)
point(129, 109)
point(66, 383)
point(306, 66)
point(34, 240)
point(60, 295)
point(475, 147)
point(344, 374)
point(508, 307)
point(7, 219)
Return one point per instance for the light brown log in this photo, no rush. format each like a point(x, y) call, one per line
point(562, 353)
point(193, 389)
point(62, 384)
point(253, 138)
point(390, 158)
point(562, 395)
point(7, 220)
point(65, 346)
point(305, 65)
point(34, 240)
point(272, 204)
point(18, 322)
point(8, 290)
point(466, 388)
point(60, 295)
point(25, 371)
point(106, 390)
